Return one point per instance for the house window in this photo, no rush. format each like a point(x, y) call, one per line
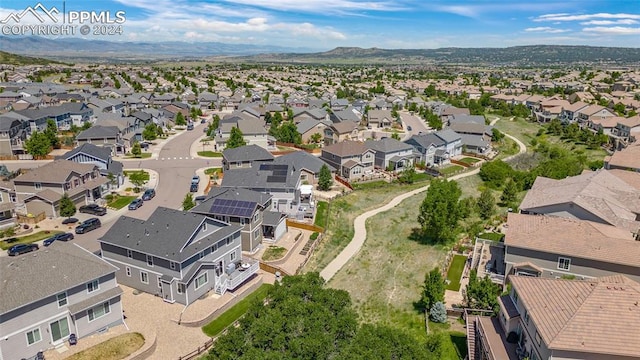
point(241, 221)
point(229, 240)
point(256, 217)
point(98, 311)
point(564, 263)
point(38, 186)
point(62, 299)
point(526, 317)
point(159, 283)
point(172, 265)
point(149, 260)
point(201, 280)
point(129, 253)
point(33, 336)
point(515, 297)
point(128, 269)
point(93, 286)
point(256, 233)
point(144, 277)
point(232, 256)
point(181, 288)
point(214, 248)
point(538, 338)
point(204, 227)
point(201, 255)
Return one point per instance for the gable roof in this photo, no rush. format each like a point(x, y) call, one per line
point(234, 197)
point(575, 238)
point(346, 148)
point(425, 140)
point(447, 135)
point(247, 153)
point(239, 194)
point(308, 124)
point(57, 171)
point(98, 132)
point(344, 127)
point(597, 316)
point(598, 192)
point(47, 272)
point(303, 160)
point(387, 145)
point(266, 176)
point(98, 152)
point(166, 232)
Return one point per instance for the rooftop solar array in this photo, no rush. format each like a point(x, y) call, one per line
point(233, 207)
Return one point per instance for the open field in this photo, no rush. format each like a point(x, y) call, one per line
point(343, 211)
point(386, 276)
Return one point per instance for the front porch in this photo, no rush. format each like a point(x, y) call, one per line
point(234, 276)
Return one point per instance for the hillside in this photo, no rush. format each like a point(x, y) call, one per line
point(15, 59)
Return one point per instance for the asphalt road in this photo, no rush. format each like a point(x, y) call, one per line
point(416, 123)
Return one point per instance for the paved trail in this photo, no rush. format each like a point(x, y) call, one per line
point(359, 224)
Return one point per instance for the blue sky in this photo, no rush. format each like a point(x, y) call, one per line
point(325, 24)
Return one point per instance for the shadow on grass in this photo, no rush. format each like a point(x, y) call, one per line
point(418, 236)
point(460, 341)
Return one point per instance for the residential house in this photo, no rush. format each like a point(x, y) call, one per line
point(308, 165)
point(627, 128)
point(476, 137)
point(544, 318)
point(569, 112)
point(281, 181)
point(253, 131)
point(308, 127)
point(245, 157)
point(105, 136)
point(339, 104)
point(391, 154)
point(598, 196)
point(159, 100)
point(7, 201)
point(12, 136)
point(50, 294)
point(177, 255)
point(452, 143)
point(552, 246)
point(586, 115)
point(302, 113)
point(447, 112)
point(101, 157)
point(379, 119)
point(349, 114)
point(241, 207)
point(42, 188)
point(429, 148)
point(339, 132)
point(352, 159)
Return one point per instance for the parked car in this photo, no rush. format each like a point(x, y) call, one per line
point(203, 121)
point(148, 194)
point(88, 225)
point(409, 128)
point(93, 209)
point(135, 204)
point(22, 249)
point(58, 237)
point(195, 179)
point(193, 188)
point(70, 220)
point(190, 126)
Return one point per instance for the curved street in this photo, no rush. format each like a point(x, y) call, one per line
point(360, 228)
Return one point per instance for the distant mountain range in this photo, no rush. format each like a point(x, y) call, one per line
point(81, 50)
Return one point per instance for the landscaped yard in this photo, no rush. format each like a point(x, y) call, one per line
point(235, 312)
point(209, 153)
point(213, 170)
point(322, 209)
point(119, 202)
point(144, 155)
point(455, 272)
point(450, 169)
point(491, 236)
point(469, 160)
point(273, 253)
point(116, 348)
point(146, 174)
point(27, 239)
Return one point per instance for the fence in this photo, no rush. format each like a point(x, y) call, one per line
point(207, 344)
point(296, 146)
point(272, 269)
point(343, 182)
point(304, 226)
point(310, 251)
point(34, 219)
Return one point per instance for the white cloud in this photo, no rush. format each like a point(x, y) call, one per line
point(545, 29)
point(610, 22)
point(614, 30)
point(321, 6)
point(585, 17)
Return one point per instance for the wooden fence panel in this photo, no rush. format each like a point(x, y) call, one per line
point(304, 226)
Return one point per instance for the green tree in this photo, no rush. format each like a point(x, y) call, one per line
point(236, 139)
point(288, 133)
point(180, 121)
point(38, 145)
point(407, 176)
point(395, 136)
point(51, 131)
point(316, 137)
point(150, 132)
point(440, 211)
point(136, 150)
point(324, 178)
point(486, 204)
point(67, 207)
point(438, 313)
point(495, 173)
point(389, 343)
point(433, 289)
point(510, 192)
point(138, 179)
point(188, 203)
point(496, 135)
point(482, 293)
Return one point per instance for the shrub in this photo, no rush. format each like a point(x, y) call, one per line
point(314, 236)
point(438, 312)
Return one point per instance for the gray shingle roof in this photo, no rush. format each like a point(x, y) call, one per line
point(447, 135)
point(97, 152)
point(46, 272)
point(58, 172)
point(272, 218)
point(230, 194)
point(387, 145)
point(165, 234)
point(98, 132)
point(261, 179)
point(425, 140)
point(247, 153)
point(302, 160)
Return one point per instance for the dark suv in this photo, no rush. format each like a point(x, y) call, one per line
point(58, 237)
point(22, 249)
point(88, 225)
point(148, 194)
point(93, 209)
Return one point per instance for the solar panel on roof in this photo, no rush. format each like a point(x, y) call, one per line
point(276, 179)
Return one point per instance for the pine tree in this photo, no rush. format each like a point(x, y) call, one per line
point(67, 207)
point(324, 178)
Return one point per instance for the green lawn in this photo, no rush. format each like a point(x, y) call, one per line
point(28, 239)
point(321, 214)
point(469, 160)
point(146, 174)
point(459, 339)
point(492, 236)
point(451, 169)
point(455, 272)
point(120, 202)
point(144, 155)
point(211, 171)
point(209, 153)
point(235, 312)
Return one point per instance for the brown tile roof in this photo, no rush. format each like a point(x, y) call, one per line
point(58, 171)
point(630, 122)
point(598, 317)
point(344, 127)
point(628, 157)
point(576, 106)
point(598, 192)
point(573, 238)
point(630, 177)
